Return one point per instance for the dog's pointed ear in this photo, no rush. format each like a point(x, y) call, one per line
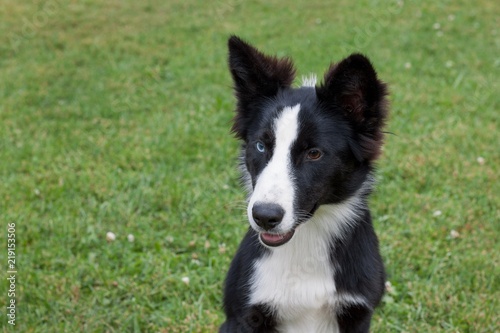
point(255, 73)
point(256, 77)
point(352, 87)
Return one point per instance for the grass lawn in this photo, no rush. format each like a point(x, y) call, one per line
point(115, 117)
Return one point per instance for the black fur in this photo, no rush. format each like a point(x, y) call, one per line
point(345, 116)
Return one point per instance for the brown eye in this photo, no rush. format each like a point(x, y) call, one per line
point(314, 154)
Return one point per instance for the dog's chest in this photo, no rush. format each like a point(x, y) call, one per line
point(297, 281)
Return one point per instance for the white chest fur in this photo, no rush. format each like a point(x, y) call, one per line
point(297, 279)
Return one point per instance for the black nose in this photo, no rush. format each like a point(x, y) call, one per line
point(267, 215)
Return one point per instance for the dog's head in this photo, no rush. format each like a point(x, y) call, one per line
point(303, 147)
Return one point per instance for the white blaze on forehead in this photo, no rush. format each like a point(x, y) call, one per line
point(275, 183)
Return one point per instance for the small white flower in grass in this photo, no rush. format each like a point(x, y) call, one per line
point(388, 287)
point(481, 160)
point(110, 236)
point(454, 234)
point(169, 239)
point(451, 17)
point(390, 292)
point(130, 238)
point(407, 65)
point(185, 279)
point(437, 213)
point(436, 26)
point(449, 64)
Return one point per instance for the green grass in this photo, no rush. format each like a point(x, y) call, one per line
point(115, 116)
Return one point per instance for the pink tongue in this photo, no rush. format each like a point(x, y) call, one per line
point(272, 238)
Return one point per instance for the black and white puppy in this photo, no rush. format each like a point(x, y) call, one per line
point(310, 260)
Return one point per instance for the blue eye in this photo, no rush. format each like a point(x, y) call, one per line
point(260, 147)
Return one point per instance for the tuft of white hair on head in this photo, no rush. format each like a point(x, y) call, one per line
point(309, 80)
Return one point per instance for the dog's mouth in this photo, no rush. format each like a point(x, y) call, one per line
point(277, 239)
point(274, 240)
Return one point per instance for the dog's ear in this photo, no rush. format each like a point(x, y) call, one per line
point(256, 77)
point(352, 87)
point(255, 73)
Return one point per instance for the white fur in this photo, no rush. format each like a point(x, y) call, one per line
point(309, 81)
point(275, 183)
point(297, 278)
